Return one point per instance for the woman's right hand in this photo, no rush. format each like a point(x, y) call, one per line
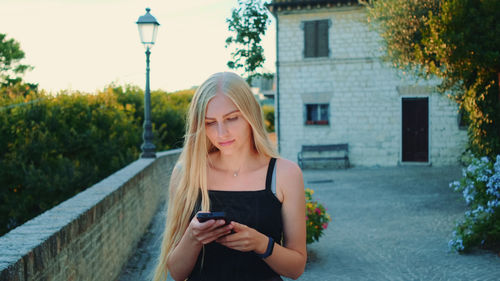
point(206, 232)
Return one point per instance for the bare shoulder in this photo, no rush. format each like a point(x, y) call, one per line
point(288, 168)
point(289, 175)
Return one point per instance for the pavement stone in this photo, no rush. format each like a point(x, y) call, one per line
point(388, 224)
point(142, 264)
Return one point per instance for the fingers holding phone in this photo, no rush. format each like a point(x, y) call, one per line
point(207, 227)
point(244, 239)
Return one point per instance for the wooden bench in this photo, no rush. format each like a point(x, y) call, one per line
point(313, 153)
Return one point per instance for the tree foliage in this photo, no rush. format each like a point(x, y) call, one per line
point(11, 67)
point(168, 115)
point(268, 111)
point(402, 25)
point(456, 41)
point(52, 147)
point(249, 23)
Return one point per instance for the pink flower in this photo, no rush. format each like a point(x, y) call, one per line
point(325, 225)
point(318, 211)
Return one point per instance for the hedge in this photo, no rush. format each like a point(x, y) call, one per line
point(52, 147)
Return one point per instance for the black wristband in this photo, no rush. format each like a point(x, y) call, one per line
point(269, 250)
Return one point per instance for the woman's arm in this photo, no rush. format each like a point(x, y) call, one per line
point(288, 260)
point(181, 261)
point(183, 258)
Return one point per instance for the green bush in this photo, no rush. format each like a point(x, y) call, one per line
point(56, 147)
point(168, 112)
point(168, 115)
point(51, 148)
point(269, 117)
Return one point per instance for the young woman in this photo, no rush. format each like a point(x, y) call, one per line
point(228, 164)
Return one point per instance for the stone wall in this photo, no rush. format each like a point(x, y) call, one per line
point(365, 94)
point(92, 235)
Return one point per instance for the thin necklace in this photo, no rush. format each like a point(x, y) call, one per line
point(235, 174)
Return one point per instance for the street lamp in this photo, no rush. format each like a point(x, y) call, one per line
point(148, 28)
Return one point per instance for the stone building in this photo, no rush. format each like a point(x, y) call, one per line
point(333, 87)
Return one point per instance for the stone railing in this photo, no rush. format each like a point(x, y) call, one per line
point(92, 235)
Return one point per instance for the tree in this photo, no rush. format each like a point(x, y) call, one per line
point(53, 147)
point(249, 22)
point(402, 24)
point(10, 67)
point(456, 41)
point(268, 111)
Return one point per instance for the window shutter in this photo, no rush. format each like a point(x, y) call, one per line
point(309, 39)
point(308, 112)
point(324, 112)
point(322, 38)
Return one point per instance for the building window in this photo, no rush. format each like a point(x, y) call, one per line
point(316, 38)
point(317, 114)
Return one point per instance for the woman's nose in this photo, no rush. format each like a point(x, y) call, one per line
point(221, 129)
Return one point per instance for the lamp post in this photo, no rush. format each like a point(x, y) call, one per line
point(148, 28)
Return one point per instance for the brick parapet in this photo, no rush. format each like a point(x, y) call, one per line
point(91, 235)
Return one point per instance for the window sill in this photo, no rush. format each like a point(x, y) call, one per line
point(321, 122)
point(316, 58)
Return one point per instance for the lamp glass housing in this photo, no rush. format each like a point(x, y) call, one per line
point(148, 32)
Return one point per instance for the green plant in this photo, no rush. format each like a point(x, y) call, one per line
point(480, 187)
point(52, 147)
point(11, 56)
point(248, 24)
point(317, 218)
point(168, 115)
point(58, 146)
point(269, 117)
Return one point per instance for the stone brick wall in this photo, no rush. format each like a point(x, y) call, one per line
point(92, 235)
point(365, 94)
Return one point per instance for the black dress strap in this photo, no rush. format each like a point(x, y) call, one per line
point(269, 176)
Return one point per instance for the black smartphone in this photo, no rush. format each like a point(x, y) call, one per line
point(203, 217)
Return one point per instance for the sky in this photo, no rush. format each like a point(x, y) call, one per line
point(85, 45)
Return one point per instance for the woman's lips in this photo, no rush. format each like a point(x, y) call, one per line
point(226, 143)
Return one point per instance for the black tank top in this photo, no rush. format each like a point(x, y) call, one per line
point(260, 210)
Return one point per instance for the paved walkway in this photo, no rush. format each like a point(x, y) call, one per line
point(388, 224)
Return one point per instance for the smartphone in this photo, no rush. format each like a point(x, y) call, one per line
point(203, 217)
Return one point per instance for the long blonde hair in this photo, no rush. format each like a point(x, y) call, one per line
point(192, 163)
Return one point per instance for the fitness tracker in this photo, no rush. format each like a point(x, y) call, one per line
point(269, 250)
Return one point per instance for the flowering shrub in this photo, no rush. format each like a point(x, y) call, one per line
point(480, 187)
point(316, 218)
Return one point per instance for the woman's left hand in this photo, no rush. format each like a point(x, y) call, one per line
point(245, 239)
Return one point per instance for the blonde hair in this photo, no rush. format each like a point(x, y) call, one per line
point(192, 163)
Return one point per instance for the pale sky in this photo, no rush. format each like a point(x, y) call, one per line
point(88, 44)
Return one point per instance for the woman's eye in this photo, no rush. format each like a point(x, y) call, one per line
point(232, 118)
point(209, 123)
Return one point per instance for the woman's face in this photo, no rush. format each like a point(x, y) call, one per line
point(226, 127)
